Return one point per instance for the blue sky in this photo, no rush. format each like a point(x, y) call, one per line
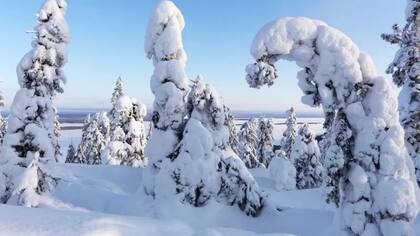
point(107, 40)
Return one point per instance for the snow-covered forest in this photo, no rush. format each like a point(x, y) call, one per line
point(192, 165)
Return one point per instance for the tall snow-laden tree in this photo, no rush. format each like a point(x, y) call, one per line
point(405, 70)
point(290, 133)
point(233, 135)
point(118, 91)
point(81, 149)
point(248, 141)
point(204, 165)
point(94, 139)
point(129, 137)
point(305, 156)
point(378, 188)
point(114, 115)
point(169, 84)
point(71, 154)
point(30, 143)
point(265, 141)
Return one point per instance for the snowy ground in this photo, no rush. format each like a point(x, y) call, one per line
point(105, 200)
point(109, 201)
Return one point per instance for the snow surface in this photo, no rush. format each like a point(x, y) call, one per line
point(108, 200)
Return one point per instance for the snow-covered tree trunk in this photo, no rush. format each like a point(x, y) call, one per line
point(248, 141)
point(290, 133)
point(204, 165)
point(30, 143)
point(169, 84)
point(265, 141)
point(305, 156)
point(405, 70)
point(379, 193)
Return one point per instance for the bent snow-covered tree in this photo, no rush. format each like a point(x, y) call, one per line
point(169, 84)
point(405, 70)
point(378, 189)
point(30, 144)
point(204, 165)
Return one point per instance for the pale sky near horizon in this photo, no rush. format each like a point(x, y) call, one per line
point(107, 40)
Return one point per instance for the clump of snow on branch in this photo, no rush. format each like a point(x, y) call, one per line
point(282, 172)
point(338, 77)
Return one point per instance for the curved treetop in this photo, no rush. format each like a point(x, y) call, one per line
point(378, 184)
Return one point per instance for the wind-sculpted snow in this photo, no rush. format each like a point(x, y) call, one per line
point(342, 80)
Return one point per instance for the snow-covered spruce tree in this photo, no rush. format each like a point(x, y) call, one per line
point(305, 156)
point(169, 84)
point(248, 141)
point(94, 139)
point(114, 115)
point(405, 70)
point(290, 133)
point(204, 165)
point(378, 188)
point(81, 149)
point(30, 142)
point(71, 154)
point(118, 91)
point(233, 135)
point(336, 146)
point(265, 141)
point(129, 137)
